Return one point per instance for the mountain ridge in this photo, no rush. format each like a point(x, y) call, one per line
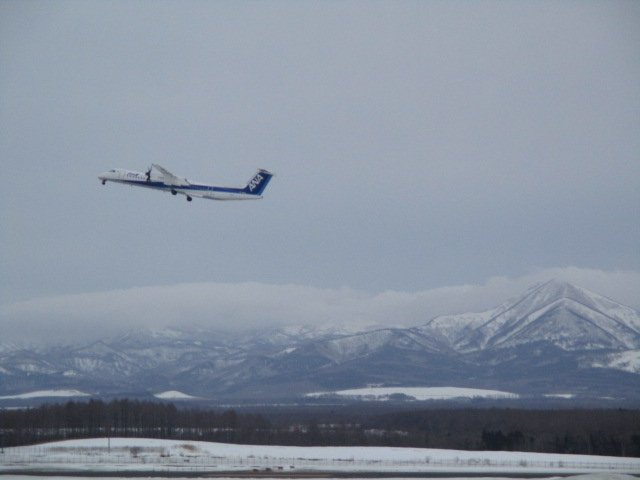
point(555, 336)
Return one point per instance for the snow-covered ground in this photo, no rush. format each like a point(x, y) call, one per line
point(174, 395)
point(158, 456)
point(47, 393)
point(417, 393)
point(592, 476)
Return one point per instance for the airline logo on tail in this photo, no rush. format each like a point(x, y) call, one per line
point(255, 182)
point(258, 183)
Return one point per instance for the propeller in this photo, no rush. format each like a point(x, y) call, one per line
point(148, 173)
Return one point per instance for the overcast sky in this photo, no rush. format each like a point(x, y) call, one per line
point(430, 157)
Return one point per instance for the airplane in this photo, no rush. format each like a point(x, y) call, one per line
point(160, 178)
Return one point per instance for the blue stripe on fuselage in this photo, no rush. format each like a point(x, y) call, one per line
point(192, 187)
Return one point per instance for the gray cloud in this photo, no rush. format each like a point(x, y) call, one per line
point(245, 306)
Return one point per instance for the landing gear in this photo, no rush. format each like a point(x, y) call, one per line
point(189, 198)
point(173, 192)
point(104, 182)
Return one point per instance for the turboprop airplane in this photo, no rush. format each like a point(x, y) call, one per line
point(161, 179)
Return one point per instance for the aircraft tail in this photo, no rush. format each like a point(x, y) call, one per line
point(258, 183)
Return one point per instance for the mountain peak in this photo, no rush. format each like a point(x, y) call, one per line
point(556, 289)
point(555, 312)
point(562, 314)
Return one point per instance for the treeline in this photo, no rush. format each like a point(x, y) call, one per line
point(124, 418)
point(578, 431)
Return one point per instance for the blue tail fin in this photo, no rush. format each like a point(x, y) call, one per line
point(258, 183)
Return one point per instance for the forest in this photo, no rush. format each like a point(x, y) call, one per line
point(613, 432)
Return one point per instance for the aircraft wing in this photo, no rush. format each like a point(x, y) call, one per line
point(170, 178)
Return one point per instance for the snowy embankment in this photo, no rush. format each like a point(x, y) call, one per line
point(152, 455)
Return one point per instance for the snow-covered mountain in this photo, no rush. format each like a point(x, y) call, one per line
point(556, 338)
point(565, 315)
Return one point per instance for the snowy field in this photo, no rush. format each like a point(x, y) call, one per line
point(46, 394)
point(170, 457)
point(417, 393)
point(593, 476)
